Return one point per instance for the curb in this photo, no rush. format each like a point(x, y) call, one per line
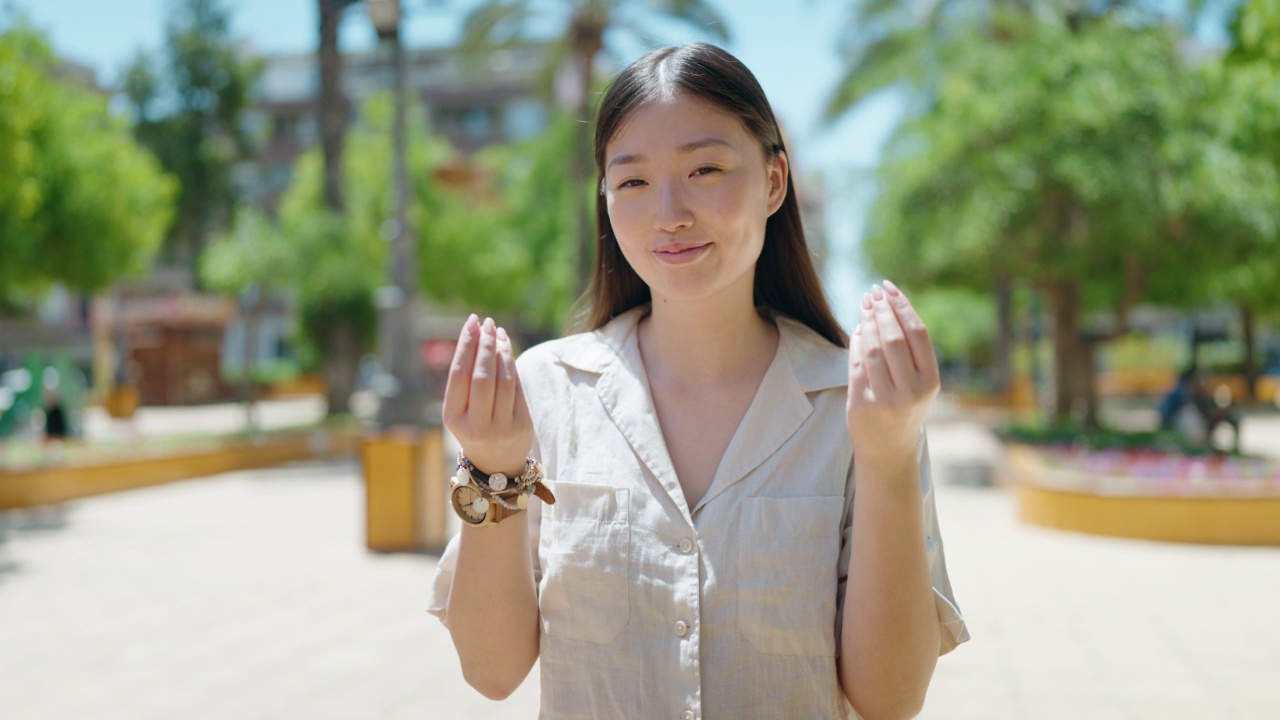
point(62, 483)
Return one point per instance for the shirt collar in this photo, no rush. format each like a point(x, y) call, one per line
point(815, 361)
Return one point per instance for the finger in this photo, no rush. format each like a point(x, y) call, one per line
point(505, 397)
point(484, 375)
point(872, 352)
point(458, 386)
point(857, 367)
point(894, 341)
point(922, 352)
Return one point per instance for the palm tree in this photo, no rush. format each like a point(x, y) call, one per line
point(332, 110)
point(897, 43)
point(342, 353)
point(501, 23)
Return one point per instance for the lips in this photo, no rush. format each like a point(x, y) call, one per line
point(677, 253)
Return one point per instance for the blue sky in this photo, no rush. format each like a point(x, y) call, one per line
point(789, 44)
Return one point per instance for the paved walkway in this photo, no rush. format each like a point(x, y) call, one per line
point(249, 595)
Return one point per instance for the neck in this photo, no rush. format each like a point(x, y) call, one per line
point(705, 342)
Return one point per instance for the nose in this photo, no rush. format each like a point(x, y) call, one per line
point(673, 212)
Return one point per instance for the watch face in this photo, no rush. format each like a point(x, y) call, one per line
point(470, 505)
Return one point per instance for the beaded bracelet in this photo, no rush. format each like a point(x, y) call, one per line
point(497, 486)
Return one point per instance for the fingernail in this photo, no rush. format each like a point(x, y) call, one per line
point(892, 289)
point(502, 335)
point(857, 329)
point(488, 325)
point(877, 293)
point(472, 325)
point(866, 301)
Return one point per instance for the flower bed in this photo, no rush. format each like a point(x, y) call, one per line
point(1147, 493)
point(1157, 472)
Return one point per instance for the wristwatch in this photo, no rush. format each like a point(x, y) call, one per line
point(488, 499)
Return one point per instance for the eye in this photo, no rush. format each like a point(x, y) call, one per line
point(633, 182)
point(706, 170)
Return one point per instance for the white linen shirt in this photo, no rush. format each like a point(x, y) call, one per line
point(725, 610)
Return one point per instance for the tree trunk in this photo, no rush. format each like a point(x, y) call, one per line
point(342, 355)
point(1005, 335)
point(1251, 370)
point(332, 110)
point(587, 38)
point(341, 351)
point(1075, 395)
point(584, 233)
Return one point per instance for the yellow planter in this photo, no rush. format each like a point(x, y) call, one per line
point(406, 501)
point(1136, 381)
point(1019, 398)
point(122, 401)
point(310, 384)
point(1204, 517)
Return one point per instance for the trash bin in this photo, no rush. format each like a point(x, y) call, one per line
point(122, 401)
point(405, 490)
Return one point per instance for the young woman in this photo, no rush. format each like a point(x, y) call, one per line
point(740, 520)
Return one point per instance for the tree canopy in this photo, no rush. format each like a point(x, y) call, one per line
point(80, 202)
point(188, 105)
point(1087, 161)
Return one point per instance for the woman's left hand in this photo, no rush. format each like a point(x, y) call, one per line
point(893, 378)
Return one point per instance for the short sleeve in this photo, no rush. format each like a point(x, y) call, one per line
point(950, 621)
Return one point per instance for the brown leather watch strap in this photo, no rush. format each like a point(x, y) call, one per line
point(544, 493)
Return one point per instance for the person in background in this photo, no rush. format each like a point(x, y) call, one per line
point(55, 418)
point(1192, 393)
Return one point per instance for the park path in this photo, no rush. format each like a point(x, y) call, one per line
point(250, 595)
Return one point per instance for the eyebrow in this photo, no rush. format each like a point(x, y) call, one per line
point(685, 148)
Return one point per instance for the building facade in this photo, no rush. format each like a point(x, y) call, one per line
point(472, 103)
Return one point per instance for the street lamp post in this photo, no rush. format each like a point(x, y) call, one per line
point(405, 402)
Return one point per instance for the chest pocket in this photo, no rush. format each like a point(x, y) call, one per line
point(788, 553)
point(586, 561)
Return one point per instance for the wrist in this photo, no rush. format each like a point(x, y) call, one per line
point(481, 498)
point(886, 469)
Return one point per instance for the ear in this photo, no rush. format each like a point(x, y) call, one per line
point(778, 171)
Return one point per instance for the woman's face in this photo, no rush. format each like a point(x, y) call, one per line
point(689, 190)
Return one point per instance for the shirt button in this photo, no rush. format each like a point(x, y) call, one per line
point(682, 629)
point(686, 546)
point(687, 715)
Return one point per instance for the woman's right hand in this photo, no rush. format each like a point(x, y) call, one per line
point(484, 405)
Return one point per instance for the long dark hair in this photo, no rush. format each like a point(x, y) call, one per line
point(785, 281)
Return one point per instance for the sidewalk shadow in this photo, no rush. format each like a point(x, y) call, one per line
point(32, 521)
point(46, 518)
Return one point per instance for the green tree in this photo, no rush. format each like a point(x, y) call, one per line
point(188, 109)
point(339, 258)
point(1072, 157)
point(501, 23)
point(497, 243)
point(80, 202)
point(1247, 107)
point(903, 45)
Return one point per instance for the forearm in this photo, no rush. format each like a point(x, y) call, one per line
point(890, 638)
point(493, 607)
